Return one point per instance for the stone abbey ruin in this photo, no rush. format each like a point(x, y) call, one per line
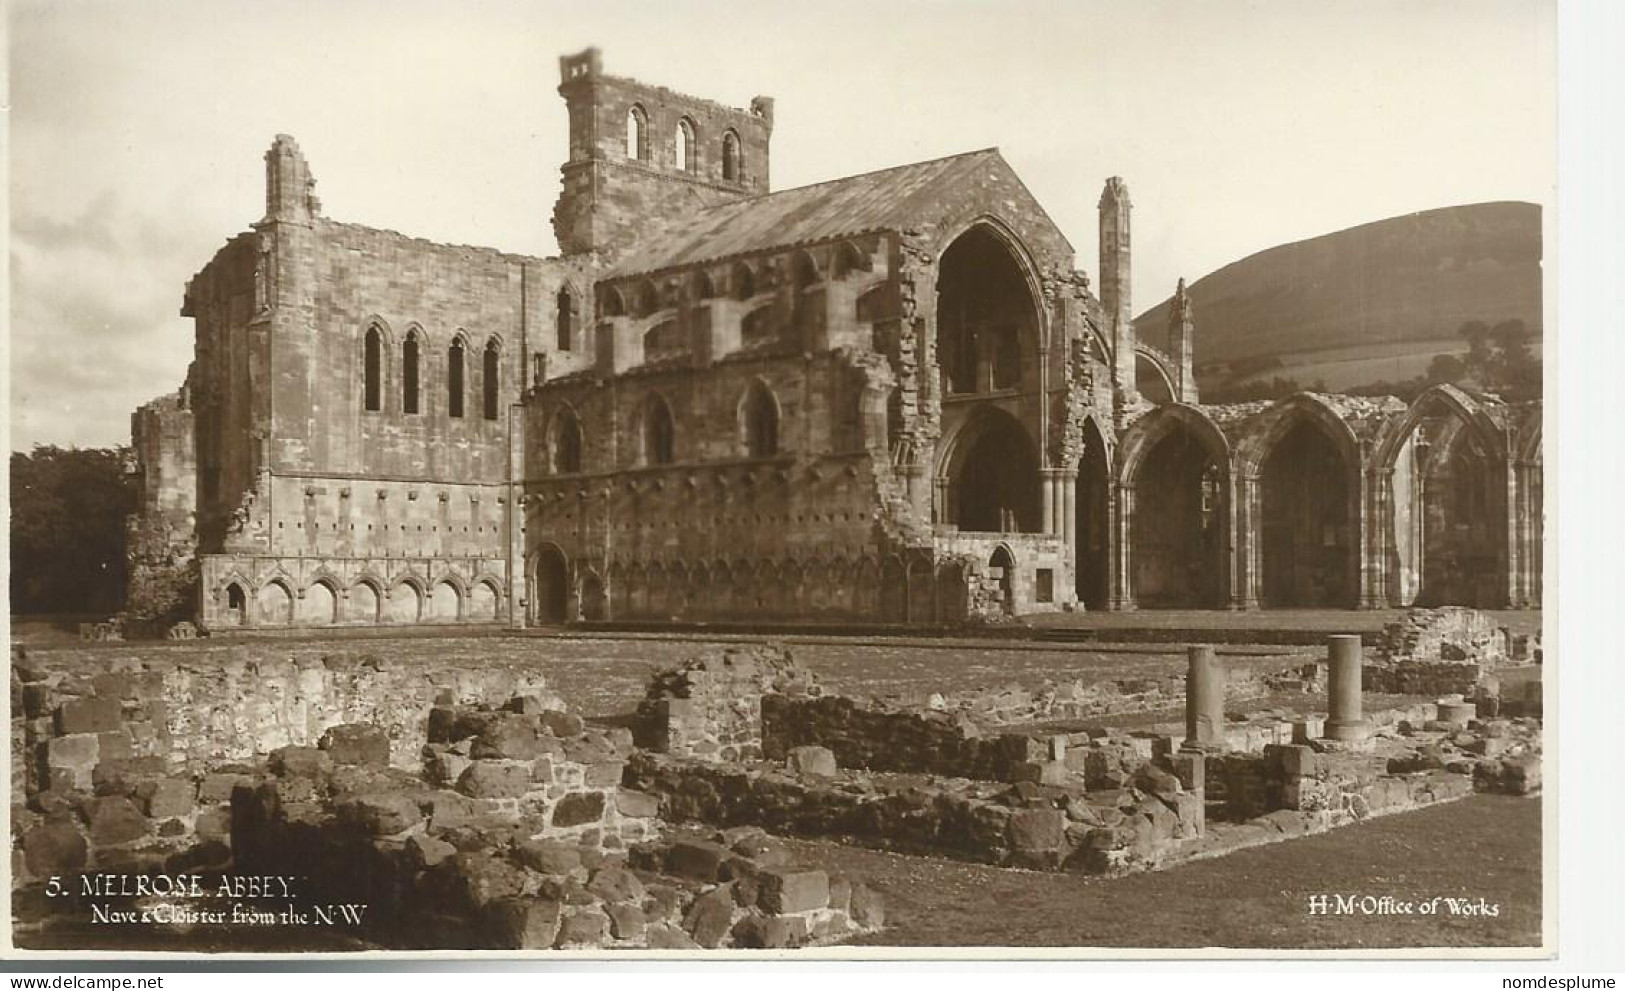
point(890, 398)
point(888, 403)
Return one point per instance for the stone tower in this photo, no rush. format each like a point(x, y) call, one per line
point(290, 190)
point(1182, 344)
point(1115, 300)
point(643, 155)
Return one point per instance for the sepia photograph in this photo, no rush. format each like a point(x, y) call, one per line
point(539, 479)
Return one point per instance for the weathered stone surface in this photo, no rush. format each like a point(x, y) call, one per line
point(1037, 830)
point(668, 937)
point(299, 762)
point(218, 787)
point(549, 856)
point(711, 917)
point(88, 715)
point(626, 921)
point(812, 760)
point(115, 819)
point(168, 797)
point(524, 923)
point(584, 926)
point(785, 891)
point(636, 804)
point(495, 779)
point(868, 910)
point(55, 846)
point(616, 884)
point(428, 851)
point(578, 809)
point(696, 859)
point(509, 736)
point(357, 743)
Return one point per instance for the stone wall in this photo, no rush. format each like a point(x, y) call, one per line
point(198, 712)
point(1450, 650)
point(1140, 824)
point(711, 706)
point(162, 533)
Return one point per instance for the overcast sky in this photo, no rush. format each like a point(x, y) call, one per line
point(138, 128)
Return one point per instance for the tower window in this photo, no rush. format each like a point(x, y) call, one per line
point(730, 157)
point(566, 320)
point(491, 377)
point(637, 134)
point(686, 146)
point(454, 379)
point(410, 356)
point(373, 370)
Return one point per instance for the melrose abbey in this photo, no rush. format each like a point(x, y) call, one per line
point(884, 399)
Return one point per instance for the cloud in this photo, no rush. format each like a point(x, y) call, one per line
point(95, 324)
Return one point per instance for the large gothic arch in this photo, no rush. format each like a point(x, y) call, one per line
point(1174, 518)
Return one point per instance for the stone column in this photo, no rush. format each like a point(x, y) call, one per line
point(1250, 520)
point(1069, 506)
point(1346, 721)
point(1122, 556)
point(1046, 491)
point(1204, 700)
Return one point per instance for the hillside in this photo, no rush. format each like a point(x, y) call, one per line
point(1369, 303)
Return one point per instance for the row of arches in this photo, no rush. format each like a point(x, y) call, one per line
point(655, 435)
point(742, 280)
point(327, 602)
point(377, 369)
point(1288, 508)
point(893, 589)
point(685, 144)
point(1298, 512)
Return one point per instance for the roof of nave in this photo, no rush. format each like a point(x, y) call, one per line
point(890, 199)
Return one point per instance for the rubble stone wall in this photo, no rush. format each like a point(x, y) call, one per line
point(198, 712)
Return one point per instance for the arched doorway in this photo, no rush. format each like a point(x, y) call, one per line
point(992, 475)
point(1093, 521)
point(551, 578)
point(236, 605)
point(1179, 524)
point(1307, 540)
point(1460, 520)
point(1002, 568)
point(986, 321)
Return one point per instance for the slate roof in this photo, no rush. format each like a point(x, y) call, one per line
point(890, 199)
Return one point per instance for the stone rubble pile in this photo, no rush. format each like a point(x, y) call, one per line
point(520, 838)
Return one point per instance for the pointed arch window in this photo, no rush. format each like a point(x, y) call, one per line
point(637, 134)
point(456, 365)
point(567, 443)
point(659, 434)
point(411, 362)
point(372, 371)
point(759, 416)
point(491, 377)
point(566, 320)
point(686, 147)
point(730, 157)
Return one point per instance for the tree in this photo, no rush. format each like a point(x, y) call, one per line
point(68, 509)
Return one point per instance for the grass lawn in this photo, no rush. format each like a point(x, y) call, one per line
point(1484, 846)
